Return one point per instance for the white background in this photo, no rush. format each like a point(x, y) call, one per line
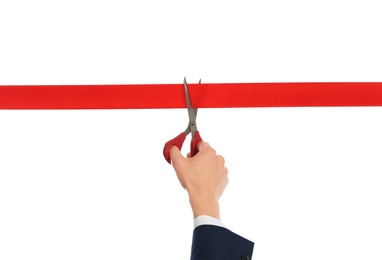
point(305, 183)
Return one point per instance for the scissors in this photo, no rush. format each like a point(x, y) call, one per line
point(191, 128)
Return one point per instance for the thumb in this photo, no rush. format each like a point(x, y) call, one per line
point(175, 154)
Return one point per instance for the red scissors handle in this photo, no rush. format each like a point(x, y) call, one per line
point(194, 144)
point(177, 141)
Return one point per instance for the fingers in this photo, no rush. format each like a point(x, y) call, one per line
point(206, 148)
point(221, 159)
point(175, 153)
point(203, 146)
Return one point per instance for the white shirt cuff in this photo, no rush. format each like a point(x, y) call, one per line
point(207, 220)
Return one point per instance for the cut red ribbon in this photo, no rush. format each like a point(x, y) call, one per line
point(205, 95)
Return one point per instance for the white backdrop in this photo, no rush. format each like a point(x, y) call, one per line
point(92, 184)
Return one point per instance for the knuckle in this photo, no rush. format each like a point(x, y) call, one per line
point(211, 152)
point(221, 159)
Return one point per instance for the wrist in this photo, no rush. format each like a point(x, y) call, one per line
point(205, 206)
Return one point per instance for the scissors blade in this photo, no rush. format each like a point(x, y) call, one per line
point(191, 111)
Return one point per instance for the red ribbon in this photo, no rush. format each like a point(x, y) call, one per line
point(205, 95)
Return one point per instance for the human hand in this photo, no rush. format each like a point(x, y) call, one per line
point(204, 176)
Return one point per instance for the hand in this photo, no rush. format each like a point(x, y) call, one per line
point(204, 176)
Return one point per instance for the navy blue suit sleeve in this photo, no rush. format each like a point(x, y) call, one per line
point(211, 242)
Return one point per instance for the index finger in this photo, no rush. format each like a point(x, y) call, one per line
point(203, 146)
